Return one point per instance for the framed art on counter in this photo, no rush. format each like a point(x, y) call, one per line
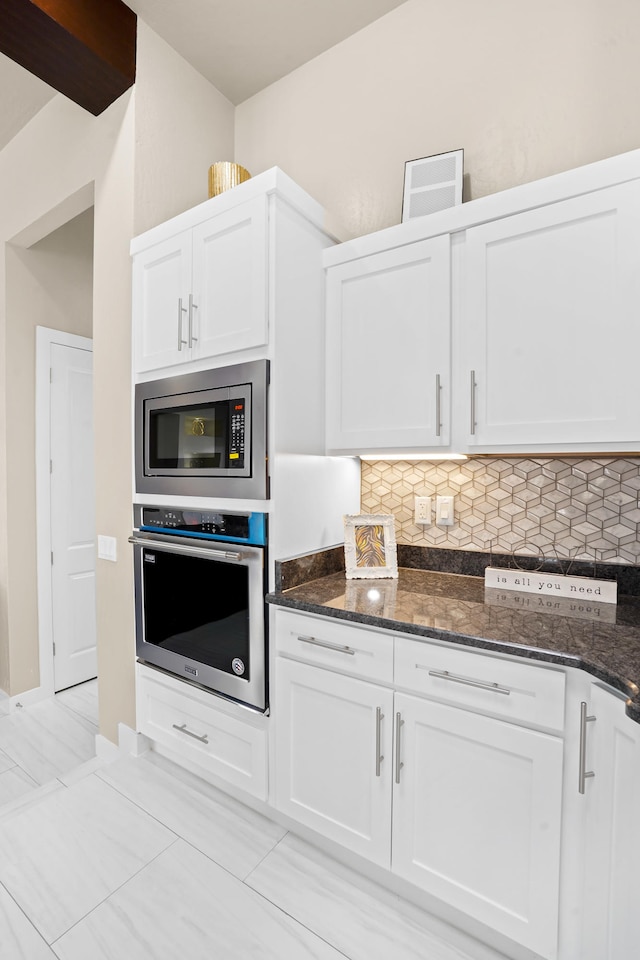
point(370, 546)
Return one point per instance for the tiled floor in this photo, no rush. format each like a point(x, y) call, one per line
point(139, 859)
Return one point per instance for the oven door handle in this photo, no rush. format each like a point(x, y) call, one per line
point(188, 549)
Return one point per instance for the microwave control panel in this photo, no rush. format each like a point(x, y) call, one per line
point(236, 433)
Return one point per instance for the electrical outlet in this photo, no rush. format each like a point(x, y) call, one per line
point(422, 510)
point(444, 511)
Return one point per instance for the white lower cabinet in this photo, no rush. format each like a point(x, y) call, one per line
point(465, 806)
point(216, 738)
point(612, 829)
point(476, 817)
point(333, 747)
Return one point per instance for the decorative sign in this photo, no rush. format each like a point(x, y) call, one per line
point(552, 584)
point(558, 606)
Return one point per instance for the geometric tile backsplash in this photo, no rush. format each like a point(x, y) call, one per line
point(567, 508)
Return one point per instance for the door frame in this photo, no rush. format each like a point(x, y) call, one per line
point(45, 339)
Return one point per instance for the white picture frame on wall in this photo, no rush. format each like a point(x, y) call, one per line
point(370, 550)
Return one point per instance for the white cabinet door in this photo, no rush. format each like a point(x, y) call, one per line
point(161, 287)
point(550, 324)
point(476, 818)
point(612, 836)
point(388, 350)
point(330, 730)
point(230, 280)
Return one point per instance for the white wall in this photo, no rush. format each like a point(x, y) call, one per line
point(526, 89)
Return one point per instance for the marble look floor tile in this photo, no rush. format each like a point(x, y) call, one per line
point(15, 783)
point(82, 699)
point(224, 829)
point(19, 940)
point(185, 906)
point(63, 856)
point(361, 919)
point(46, 739)
point(5, 762)
point(29, 799)
point(83, 770)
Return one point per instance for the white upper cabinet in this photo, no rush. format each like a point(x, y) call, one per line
point(230, 280)
point(521, 306)
point(203, 293)
point(549, 331)
point(161, 284)
point(388, 350)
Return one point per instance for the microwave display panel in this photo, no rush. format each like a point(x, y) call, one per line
point(198, 436)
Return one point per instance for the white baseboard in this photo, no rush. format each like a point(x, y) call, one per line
point(26, 699)
point(130, 744)
point(106, 749)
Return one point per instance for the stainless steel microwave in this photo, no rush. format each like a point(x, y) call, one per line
point(204, 434)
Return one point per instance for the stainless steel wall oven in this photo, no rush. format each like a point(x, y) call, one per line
point(200, 582)
point(204, 434)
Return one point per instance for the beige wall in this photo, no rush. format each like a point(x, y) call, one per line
point(527, 91)
point(146, 164)
point(53, 159)
point(183, 125)
point(50, 285)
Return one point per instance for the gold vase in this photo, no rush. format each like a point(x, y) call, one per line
point(224, 175)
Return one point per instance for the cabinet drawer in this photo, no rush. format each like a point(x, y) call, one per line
point(329, 643)
point(195, 725)
point(502, 688)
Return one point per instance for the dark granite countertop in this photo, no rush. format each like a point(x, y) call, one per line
point(454, 607)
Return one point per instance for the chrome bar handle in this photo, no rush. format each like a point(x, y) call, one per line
point(483, 685)
point(329, 646)
point(473, 403)
point(183, 729)
point(438, 410)
point(583, 773)
point(181, 310)
point(171, 547)
point(192, 306)
point(379, 757)
point(399, 764)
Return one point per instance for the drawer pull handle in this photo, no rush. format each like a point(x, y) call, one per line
point(183, 729)
point(583, 773)
point(399, 764)
point(329, 646)
point(379, 756)
point(445, 675)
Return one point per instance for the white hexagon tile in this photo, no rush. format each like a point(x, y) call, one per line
point(580, 509)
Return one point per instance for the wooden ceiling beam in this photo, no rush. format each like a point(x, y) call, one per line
point(85, 49)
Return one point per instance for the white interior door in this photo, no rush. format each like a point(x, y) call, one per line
point(72, 515)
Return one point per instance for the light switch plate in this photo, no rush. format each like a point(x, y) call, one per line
point(444, 511)
point(107, 548)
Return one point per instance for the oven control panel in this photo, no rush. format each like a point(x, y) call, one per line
point(247, 528)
